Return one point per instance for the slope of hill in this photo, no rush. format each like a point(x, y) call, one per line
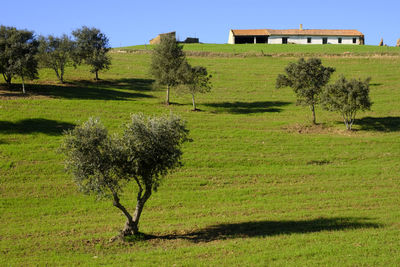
point(281, 50)
point(260, 186)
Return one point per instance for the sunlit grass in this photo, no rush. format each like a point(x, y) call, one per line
point(259, 185)
point(277, 49)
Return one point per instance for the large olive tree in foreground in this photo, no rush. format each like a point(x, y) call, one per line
point(307, 78)
point(347, 97)
point(102, 164)
point(166, 62)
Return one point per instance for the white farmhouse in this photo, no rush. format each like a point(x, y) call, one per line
point(295, 36)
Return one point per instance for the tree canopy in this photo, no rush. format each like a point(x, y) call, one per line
point(102, 164)
point(56, 53)
point(307, 78)
point(195, 80)
point(18, 50)
point(347, 97)
point(166, 62)
point(91, 48)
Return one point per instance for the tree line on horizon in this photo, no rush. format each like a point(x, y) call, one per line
point(22, 53)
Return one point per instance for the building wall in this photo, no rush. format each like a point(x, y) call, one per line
point(314, 39)
point(303, 39)
point(231, 39)
point(157, 39)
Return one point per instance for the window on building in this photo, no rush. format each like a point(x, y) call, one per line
point(284, 40)
point(339, 40)
point(308, 40)
point(354, 40)
point(324, 40)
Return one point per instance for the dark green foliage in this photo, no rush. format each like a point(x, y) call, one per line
point(195, 80)
point(101, 164)
point(166, 62)
point(90, 155)
point(347, 97)
point(91, 48)
point(18, 50)
point(56, 53)
point(307, 78)
point(152, 146)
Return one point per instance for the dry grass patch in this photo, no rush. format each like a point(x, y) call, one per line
point(320, 128)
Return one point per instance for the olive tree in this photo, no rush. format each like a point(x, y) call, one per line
point(166, 62)
point(102, 164)
point(18, 50)
point(91, 48)
point(195, 80)
point(347, 97)
point(307, 78)
point(56, 53)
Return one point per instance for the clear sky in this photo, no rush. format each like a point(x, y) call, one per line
point(136, 22)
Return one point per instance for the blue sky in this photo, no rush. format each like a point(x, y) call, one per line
point(136, 22)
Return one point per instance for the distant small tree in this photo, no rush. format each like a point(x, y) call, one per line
point(56, 53)
point(195, 80)
point(102, 164)
point(307, 78)
point(347, 97)
point(18, 50)
point(166, 62)
point(91, 48)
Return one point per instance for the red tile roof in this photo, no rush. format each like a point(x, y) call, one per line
point(297, 32)
point(249, 32)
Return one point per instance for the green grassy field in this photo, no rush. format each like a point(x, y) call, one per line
point(280, 50)
point(259, 185)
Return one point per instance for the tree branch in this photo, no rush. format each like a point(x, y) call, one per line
point(139, 195)
point(117, 204)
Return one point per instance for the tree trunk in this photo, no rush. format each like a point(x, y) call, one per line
point(7, 79)
point(132, 224)
point(139, 208)
point(194, 104)
point(167, 99)
point(62, 74)
point(97, 75)
point(313, 113)
point(129, 228)
point(58, 75)
point(23, 84)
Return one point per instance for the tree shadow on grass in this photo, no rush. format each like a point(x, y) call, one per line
point(271, 228)
point(38, 125)
point(239, 107)
point(119, 89)
point(380, 124)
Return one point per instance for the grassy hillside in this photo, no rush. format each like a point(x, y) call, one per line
point(259, 185)
point(275, 49)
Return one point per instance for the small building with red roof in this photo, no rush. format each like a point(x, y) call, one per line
point(295, 36)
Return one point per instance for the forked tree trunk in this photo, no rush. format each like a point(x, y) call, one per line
point(132, 223)
point(8, 79)
point(167, 98)
point(59, 75)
